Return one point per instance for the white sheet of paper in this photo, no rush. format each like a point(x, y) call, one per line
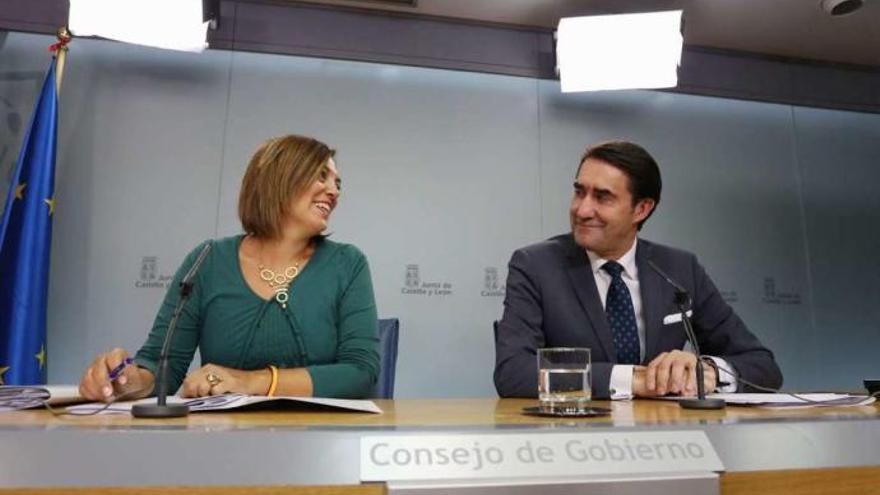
point(63, 394)
point(231, 401)
point(788, 400)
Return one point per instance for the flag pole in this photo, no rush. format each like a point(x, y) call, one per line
point(60, 50)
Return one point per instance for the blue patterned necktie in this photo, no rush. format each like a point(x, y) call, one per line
point(621, 316)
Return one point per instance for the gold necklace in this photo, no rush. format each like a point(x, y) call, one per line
point(279, 282)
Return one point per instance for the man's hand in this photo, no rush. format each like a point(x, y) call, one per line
point(671, 372)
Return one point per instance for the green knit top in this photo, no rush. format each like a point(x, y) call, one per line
point(329, 326)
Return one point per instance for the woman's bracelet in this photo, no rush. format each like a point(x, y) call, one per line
point(274, 384)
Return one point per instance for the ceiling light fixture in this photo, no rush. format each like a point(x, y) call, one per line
point(170, 24)
point(627, 51)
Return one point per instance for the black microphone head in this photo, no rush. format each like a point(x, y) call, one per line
point(682, 297)
point(197, 264)
point(186, 284)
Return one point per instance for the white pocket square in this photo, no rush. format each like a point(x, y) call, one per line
point(675, 317)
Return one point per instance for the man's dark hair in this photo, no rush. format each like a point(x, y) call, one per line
point(638, 165)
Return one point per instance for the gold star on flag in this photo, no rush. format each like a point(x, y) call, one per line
point(19, 190)
point(51, 203)
point(41, 356)
point(3, 369)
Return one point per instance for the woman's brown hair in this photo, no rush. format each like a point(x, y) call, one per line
point(281, 169)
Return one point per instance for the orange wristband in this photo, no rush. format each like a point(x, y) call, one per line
point(274, 384)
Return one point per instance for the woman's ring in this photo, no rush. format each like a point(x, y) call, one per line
point(213, 379)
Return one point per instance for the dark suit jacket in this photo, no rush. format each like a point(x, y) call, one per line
point(552, 301)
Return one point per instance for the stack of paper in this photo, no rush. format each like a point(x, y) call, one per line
point(13, 398)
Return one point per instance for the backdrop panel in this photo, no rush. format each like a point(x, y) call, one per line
point(839, 153)
point(445, 174)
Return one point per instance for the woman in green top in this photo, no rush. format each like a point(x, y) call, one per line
point(280, 310)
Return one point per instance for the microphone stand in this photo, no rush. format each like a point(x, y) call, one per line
point(161, 409)
point(683, 300)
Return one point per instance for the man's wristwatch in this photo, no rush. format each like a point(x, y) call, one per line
point(711, 362)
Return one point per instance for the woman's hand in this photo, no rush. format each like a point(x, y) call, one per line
point(212, 379)
point(133, 382)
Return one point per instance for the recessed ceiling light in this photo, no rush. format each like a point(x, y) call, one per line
point(839, 8)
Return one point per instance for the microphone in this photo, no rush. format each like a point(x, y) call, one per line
point(161, 409)
point(683, 300)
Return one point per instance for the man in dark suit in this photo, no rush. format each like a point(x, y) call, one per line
point(594, 288)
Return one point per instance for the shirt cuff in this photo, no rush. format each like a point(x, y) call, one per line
point(726, 374)
point(620, 386)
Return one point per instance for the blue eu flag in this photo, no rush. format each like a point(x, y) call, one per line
point(25, 239)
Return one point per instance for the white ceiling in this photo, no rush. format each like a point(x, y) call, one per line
point(791, 28)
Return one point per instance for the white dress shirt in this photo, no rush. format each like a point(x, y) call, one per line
point(620, 385)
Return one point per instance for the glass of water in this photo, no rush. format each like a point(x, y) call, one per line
point(564, 378)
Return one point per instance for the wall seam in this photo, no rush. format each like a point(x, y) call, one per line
point(799, 183)
point(225, 132)
point(540, 164)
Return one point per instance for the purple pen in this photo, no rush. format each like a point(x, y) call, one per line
point(115, 372)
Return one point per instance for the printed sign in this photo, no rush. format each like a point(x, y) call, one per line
point(433, 457)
